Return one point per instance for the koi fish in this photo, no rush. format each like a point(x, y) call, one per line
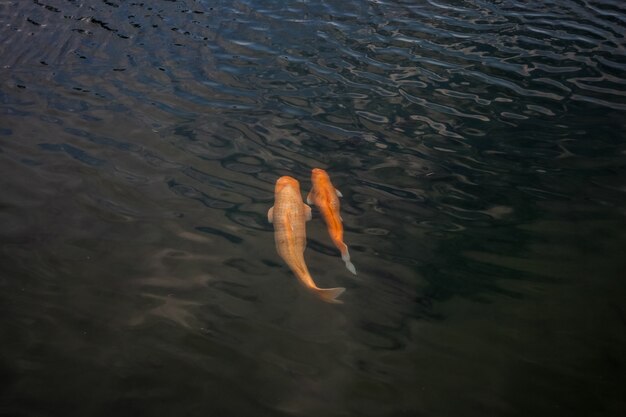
point(289, 215)
point(326, 198)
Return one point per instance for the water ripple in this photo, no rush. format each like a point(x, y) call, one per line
point(140, 143)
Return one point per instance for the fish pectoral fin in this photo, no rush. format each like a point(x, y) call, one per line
point(338, 193)
point(309, 197)
point(270, 215)
point(307, 212)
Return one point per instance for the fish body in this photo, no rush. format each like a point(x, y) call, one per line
point(326, 197)
point(289, 215)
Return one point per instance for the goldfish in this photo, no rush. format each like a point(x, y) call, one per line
point(289, 215)
point(326, 197)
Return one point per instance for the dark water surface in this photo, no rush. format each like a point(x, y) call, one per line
point(480, 149)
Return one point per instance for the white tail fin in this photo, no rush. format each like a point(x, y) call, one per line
point(330, 294)
point(345, 256)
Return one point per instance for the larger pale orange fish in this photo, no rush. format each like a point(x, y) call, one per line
point(289, 215)
point(326, 197)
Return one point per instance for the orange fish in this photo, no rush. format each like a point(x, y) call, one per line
point(326, 198)
point(289, 215)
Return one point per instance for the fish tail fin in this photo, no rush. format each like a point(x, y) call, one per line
point(330, 294)
point(345, 256)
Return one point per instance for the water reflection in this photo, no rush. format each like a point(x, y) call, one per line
point(480, 150)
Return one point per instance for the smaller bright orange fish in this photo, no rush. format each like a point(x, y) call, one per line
point(326, 197)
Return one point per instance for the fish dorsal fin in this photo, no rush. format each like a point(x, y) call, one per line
point(270, 215)
point(290, 223)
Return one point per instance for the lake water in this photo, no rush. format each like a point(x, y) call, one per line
point(480, 149)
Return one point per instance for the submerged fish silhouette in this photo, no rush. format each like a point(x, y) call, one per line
point(326, 197)
point(289, 215)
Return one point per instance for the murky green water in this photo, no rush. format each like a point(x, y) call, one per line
point(480, 150)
